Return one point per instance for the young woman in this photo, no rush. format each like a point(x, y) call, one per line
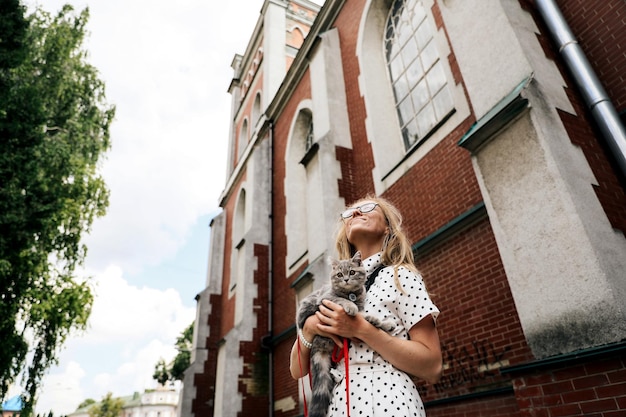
point(379, 363)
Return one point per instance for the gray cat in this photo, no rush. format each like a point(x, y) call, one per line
point(346, 288)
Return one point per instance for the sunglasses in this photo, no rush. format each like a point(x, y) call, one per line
point(365, 208)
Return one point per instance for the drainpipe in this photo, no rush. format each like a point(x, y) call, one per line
point(592, 91)
point(270, 295)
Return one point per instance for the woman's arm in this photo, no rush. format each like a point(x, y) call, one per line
point(419, 356)
point(299, 366)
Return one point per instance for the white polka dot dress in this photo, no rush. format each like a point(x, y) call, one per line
point(377, 389)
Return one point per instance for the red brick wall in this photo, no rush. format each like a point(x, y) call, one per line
point(591, 389)
point(356, 164)
point(254, 382)
point(492, 406)
point(478, 325)
point(204, 383)
point(438, 188)
point(285, 385)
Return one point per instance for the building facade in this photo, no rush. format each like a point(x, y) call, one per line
point(159, 402)
point(497, 128)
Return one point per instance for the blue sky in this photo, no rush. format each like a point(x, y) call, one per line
point(187, 269)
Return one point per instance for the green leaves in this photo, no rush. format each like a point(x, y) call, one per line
point(54, 131)
point(176, 369)
point(108, 407)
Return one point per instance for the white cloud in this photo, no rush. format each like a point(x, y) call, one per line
point(136, 373)
point(63, 389)
point(124, 314)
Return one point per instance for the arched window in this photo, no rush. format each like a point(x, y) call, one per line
point(256, 110)
point(297, 187)
point(243, 139)
point(421, 93)
point(297, 37)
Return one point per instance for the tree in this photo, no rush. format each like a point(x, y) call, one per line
point(161, 372)
point(50, 414)
point(13, 27)
point(175, 371)
point(54, 128)
point(86, 403)
point(108, 407)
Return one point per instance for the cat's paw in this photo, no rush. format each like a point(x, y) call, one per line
point(388, 325)
point(351, 309)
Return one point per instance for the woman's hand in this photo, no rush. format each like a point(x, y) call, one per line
point(299, 359)
point(335, 323)
point(310, 328)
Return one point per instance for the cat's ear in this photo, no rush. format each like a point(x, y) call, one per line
point(332, 262)
point(357, 257)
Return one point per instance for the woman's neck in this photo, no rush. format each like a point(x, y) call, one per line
point(368, 250)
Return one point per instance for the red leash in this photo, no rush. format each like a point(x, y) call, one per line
point(336, 357)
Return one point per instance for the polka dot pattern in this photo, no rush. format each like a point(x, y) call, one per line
point(376, 387)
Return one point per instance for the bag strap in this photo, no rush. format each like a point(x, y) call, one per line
point(372, 277)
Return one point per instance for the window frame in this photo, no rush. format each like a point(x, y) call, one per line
point(392, 159)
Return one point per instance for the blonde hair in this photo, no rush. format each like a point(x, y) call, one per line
point(396, 250)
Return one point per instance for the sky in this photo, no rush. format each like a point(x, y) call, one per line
point(166, 67)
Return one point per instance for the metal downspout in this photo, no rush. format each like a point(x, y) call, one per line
point(270, 278)
point(593, 92)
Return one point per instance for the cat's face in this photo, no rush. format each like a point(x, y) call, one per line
point(348, 274)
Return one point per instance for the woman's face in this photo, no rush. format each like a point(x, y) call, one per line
point(369, 227)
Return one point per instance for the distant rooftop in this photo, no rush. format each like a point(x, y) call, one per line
point(13, 404)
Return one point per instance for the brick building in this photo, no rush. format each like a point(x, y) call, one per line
point(494, 126)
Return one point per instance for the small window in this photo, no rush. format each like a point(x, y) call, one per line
point(243, 138)
point(256, 110)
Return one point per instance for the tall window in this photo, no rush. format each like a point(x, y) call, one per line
point(297, 186)
point(256, 110)
point(243, 139)
point(419, 84)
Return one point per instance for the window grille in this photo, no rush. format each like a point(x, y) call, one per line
point(416, 72)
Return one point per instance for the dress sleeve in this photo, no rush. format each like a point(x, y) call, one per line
point(413, 303)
